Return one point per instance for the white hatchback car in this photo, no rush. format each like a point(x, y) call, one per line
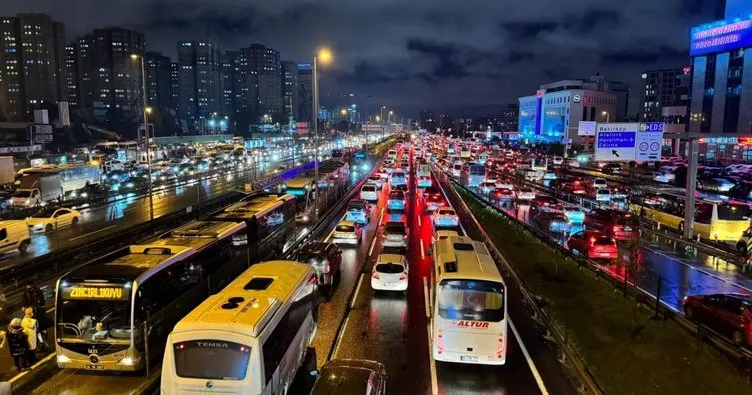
point(390, 273)
point(369, 192)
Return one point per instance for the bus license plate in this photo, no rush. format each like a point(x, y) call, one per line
point(468, 358)
point(95, 367)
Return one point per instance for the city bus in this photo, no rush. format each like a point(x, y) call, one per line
point(472, 174)
point(251, 338)
point(469, 312)
point(114, 313)
point(270, 220)
point(715, 219)
point(304, 190)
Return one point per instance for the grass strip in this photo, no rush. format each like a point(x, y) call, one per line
point(625, 350)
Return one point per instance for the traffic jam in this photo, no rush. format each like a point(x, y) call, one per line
point(599, 211)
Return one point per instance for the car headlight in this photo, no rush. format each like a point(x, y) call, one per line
point(63, 359)
point(85, 194)
point(28, 201)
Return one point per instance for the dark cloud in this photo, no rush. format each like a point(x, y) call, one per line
point(469, 55)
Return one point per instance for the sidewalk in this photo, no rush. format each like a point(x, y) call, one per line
point(7, 367)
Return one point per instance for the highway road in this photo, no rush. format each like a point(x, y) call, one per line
point(99, 221)
point(393, 328)
point(680, 272)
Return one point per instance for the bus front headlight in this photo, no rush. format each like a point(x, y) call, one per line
point(127, 361)
point(63, 359)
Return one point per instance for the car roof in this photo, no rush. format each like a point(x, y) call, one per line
point(316, 247)
point(396, 258)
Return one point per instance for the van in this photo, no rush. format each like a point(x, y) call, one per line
point(14, 234)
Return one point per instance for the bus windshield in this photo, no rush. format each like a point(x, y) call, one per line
point(473, 300)
point(99, 321)
point(211, 359)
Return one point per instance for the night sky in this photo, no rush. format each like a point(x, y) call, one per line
point(462, 57)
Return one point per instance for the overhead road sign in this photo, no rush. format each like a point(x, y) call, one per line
point(650, 141)
point(615, 142)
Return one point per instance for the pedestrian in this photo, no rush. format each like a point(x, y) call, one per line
point(31, 329)
point(18, 344)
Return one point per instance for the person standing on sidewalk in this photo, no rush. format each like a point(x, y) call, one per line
point(18, 345)
point(31, 329)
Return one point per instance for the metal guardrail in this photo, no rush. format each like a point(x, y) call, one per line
point(741, 354)
point(568, 357)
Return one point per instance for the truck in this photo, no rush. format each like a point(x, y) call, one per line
point(37, 190)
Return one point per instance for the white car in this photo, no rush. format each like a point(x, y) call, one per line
point(558, 160)
point(49, 220)
point(445, 217)
point(600, 183)
point(390, 273)
point(602, 195)
point(347, 232)
point(395, 235)
point(662, 177)
point(526, 194)
point(573, 163)
point(369, 192)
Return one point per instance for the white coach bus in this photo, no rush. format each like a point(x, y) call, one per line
point(251, 338)
point(469, 319)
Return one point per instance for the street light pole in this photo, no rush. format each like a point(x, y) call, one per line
point(316, 133)
point(146, 133)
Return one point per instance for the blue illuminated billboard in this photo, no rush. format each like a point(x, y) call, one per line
point(720, 36)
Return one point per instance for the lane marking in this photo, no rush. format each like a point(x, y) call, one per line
point(419, 224)
point(425, 297)
point(530, 363)
point(357, 290)
point(373, 244)
point(91, 233)
point(381, 216)
point(330, 235)
point(432, 364)
point(422, 250)
point(339, 338)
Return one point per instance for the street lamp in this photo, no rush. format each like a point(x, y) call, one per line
point(607, 115)
point(146, 110)
point(325, 56)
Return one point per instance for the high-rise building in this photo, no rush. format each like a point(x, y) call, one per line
point(32, 64)
point(109, 79)
point(427, 120)
point(721, 88)
point(445, 121)
point(72, 74)
point(659, 90)
point(264, 73)
point(158, 80)
point(290, 93)
point(305, 92)
point(509, 117)
point(200, 77)
point(233, 85)
point(174, 86)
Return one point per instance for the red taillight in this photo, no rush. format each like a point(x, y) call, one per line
point(616, 228)
point(403, 276)
point(500, 346)
point(592, 241)
point(375, 275)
